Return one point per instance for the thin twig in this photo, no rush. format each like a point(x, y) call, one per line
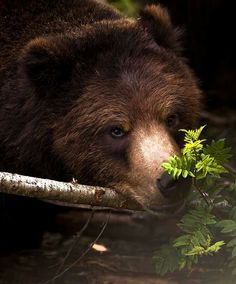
point(83, 254)
point(75, 241)
point(199, 190)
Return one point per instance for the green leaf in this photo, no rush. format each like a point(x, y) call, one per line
point(231, 243)
point(234, 252)
point(232, 213)
point(182, 241)
point(177, 166)
point(218, 151)
point(227, 226)
point(215, 247)
point(185, 173)
point(197, 250)
point(192, 135)
point(208, 165)
point(232, 186)
point(182, 263)
point(166, 260)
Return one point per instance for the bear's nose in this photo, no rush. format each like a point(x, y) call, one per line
point(173, 188)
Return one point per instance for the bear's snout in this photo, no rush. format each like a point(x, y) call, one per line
point(151, 186)
point(173, 189)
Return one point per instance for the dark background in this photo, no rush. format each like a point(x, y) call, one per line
point(208, 40)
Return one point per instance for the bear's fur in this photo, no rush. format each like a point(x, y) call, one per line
point(87, 93)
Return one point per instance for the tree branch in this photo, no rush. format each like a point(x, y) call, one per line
point(69, 193)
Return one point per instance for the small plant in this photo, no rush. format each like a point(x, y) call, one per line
point(202, 224)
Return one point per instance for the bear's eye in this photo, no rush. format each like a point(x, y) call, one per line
point(117, 132)
point(172, 120)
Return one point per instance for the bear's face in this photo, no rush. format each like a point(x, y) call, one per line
point(127, 126)
point(125, 95)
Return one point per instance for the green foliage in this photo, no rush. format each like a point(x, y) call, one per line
point(204, 164)
point(195, 242)
point(218, 150)
point(166, 260)
point(207, 165)
point(178, 166)
point(228, 228)
point(196, 160)
point(192, 136)
point(129, 7)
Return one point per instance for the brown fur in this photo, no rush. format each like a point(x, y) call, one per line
point(74, 70)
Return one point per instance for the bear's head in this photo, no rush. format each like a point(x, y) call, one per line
point(118, 91)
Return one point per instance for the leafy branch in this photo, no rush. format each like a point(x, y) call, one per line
point(204, 164)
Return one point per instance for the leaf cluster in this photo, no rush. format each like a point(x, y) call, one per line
point(228, 227)
point(195, 242)
point(198, 161)
point(204, 164)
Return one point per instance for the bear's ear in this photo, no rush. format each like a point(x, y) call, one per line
point(156, 21)
point(48, 61)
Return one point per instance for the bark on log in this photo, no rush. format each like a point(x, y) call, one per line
point(70, 193)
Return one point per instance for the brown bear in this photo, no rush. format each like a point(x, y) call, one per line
point(90, 94)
